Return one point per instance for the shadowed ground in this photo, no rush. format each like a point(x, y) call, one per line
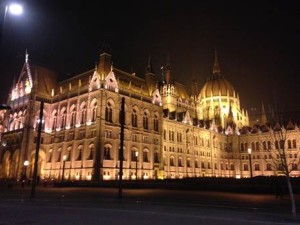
point(70, 205)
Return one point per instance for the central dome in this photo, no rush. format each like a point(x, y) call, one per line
point(217, 85)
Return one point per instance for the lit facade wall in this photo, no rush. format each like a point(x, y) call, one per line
point(81, 132)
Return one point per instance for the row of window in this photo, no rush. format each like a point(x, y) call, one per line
point(266, 145)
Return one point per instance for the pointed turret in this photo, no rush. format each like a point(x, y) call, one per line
point(149, 68)
point(150, 77)
point(195, 90)
point(263, 115)
point(105, 63)
point(216, 67)
point(168, 71)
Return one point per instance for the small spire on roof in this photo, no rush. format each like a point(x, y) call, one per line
point(26, 56)
point(216, 67)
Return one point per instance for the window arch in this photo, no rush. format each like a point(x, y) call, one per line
point(79, 153)
point(83, 113)
point(54, 120)
point(155, 123)
point(289, 144)
point(94, 111)
point(108, 112)
point(180, 162)
point(145, 155)
point(172, 161)
point(63, 117)
point(107, 152)
point(73, 116)
point(134, 118)
point(146, 120)
point(294, 143)
point(91, 149)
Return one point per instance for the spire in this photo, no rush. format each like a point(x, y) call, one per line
point(168, 70)
point(216, 67)
point(149, 68)
point(26, 56)
point(263, 114)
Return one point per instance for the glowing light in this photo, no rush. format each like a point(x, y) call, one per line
point(15, 9)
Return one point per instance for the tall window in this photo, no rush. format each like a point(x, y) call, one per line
point(269, 167)
point(180, 164)
point(134, 118)
point(79, 153)
point(107, 153)
point(156, 157)
point(91, 153)
point(73, 118)
point(134, 155)
point(83, 114)
point(94, 112)
point(145, 156)
point(155, 123)
point(172, 161)
point(265, 145)
point(108, 112)
point(145, 121)
point(54, 122)
point(63, 119)
point(289, 144)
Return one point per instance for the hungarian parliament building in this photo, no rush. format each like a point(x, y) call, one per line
point(171, 131)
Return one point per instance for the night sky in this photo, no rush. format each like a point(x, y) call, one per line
point(258, 43)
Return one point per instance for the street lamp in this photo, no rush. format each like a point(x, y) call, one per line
point(14, 9)
point(250, 151)
point(26, 163)
point(63, 170)
point(136, 165)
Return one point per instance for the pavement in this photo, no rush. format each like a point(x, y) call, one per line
point(89, 206)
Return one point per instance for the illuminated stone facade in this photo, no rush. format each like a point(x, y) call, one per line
point(169, 132)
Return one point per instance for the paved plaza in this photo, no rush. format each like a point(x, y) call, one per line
point(90, 206)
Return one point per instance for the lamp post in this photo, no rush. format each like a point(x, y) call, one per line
point(249, 152)
point(14, 9)
point(26, 163)
point(136, 165)
point(63, 170)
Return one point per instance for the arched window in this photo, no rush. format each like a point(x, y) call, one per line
point(63, 118)
point(134, 155)
point(108, 112)
point(268, 167)
point(145, 121)
point(54, 121)
point(269, 145)
point(253, 146)
point(265, 145)
point(106, 152)
point(49, 155)
point(94, 111)
point(83, 113)
point(156, 157)
point(145, 155)
point(155, 123)
point(188, 162)
point(242, 147)
point(257, 146)
point(172, 161)
point(180, 163)
point(91, 152)
point(73, 117)
point(289, 144)
point(294, 144)
point(58, 155)
point(134, 118)
point(79, 153)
